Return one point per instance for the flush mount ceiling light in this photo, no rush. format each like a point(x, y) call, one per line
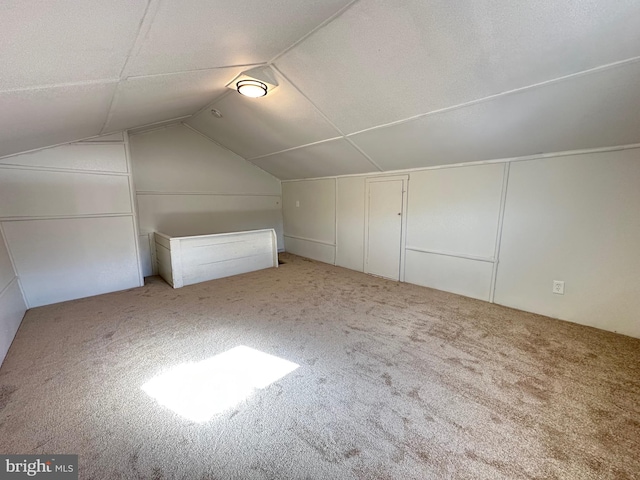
point(251, 88)
point(255, 83)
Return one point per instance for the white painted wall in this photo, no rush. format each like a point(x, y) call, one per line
point(350, 204)
point(309, 211)
point(503, 232)
point(68, 219)
point(188, 185)
point(576, 219)
point(12, 305)
point(452, 226)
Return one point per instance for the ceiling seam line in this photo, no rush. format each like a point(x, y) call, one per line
point(137, 41)
point(314, 30)
point(298, 147)
point(322, 114)
point(150, 127)
point(124, 66)
point(24, 152)
point(353, 144)
point(327, 119)
point(270, 62)
point(103, 81)
point(195, 70)
point(110, 109)
point(534, 86)
point(159, 124)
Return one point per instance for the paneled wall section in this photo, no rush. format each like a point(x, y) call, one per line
point(67, 215)
point(501, 232)
point(452, 226)
point(574, 219)
point(309, 211)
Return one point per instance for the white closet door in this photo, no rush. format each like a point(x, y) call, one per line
point(384, 233)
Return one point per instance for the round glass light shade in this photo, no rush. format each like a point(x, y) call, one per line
point(251, 88)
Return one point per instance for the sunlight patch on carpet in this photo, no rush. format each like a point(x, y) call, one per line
point(199, 390)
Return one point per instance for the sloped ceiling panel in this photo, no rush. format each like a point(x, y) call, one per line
point(196, 34)
point(589, 111)
point(372, 74)
point(336, 157)
point(90, 43)
point(259, 126)
point(46, 42)
point(382, 61)
point(144, 100)
point(43, 117)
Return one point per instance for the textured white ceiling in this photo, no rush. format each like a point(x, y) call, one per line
point(50, 116)
point(588, 111)
point(54, 52)
point(387, 60)
point(47, 42)
point(194, 34)
point(144, 100)
point(411, 83)
point(258, 126)
point(336, 157)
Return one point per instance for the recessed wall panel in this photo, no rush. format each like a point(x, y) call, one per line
point(309, 210)
point(471, 278)
point(76, 156)
point(65, 259)
point(25, 193)
point(315, 251)
point(455, 210)
point(574, 219)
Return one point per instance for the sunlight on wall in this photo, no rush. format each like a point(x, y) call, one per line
point(199, 390)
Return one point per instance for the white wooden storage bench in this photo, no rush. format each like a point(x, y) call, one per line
point(188, 260)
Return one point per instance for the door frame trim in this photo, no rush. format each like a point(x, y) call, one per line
point(403, 228)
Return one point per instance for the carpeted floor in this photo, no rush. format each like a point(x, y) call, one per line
point(395, 382)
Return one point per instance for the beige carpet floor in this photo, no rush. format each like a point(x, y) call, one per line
point(395, 382)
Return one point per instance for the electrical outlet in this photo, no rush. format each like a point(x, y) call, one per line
point(297, 203)
point(558, 287)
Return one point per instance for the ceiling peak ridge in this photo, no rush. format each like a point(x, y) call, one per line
point(582, 73)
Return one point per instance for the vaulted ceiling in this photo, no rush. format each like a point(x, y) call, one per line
point(365, 85)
